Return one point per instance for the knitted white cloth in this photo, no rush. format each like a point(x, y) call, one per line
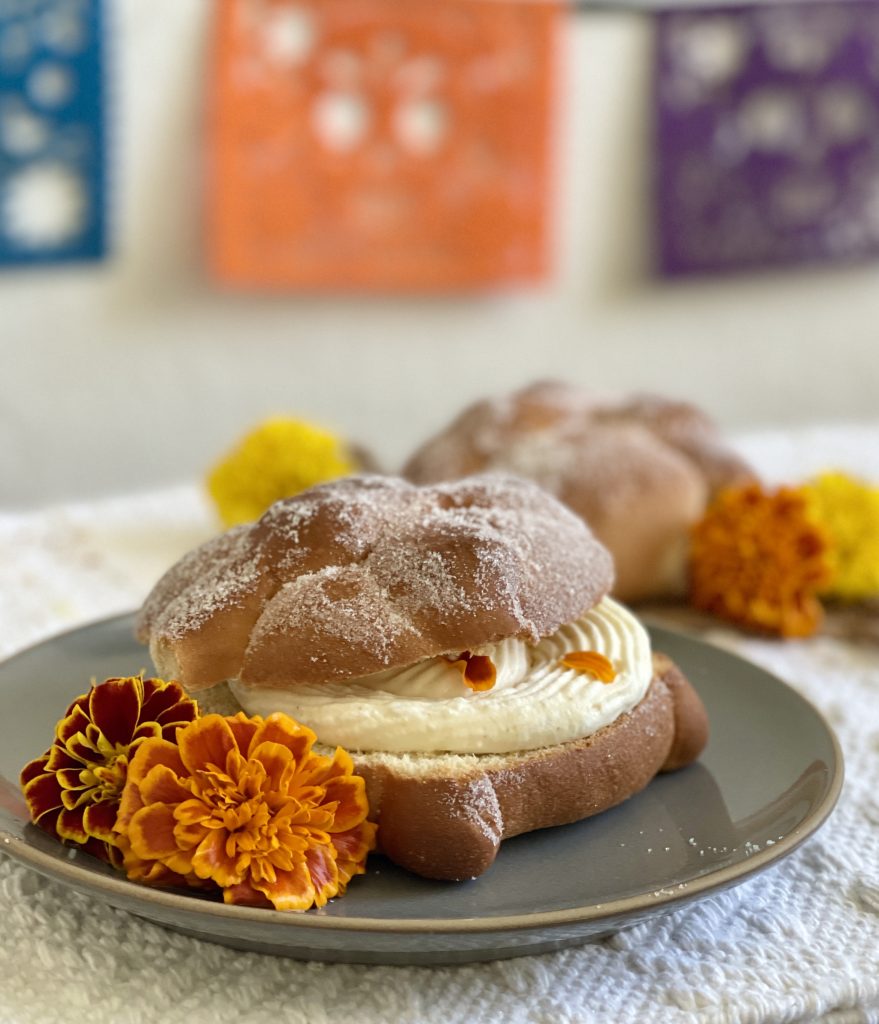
point(798, 943)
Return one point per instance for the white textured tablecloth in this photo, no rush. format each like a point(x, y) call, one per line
point(798, 943)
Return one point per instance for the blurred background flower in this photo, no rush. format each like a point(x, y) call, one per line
point(848, 509)
point(277, 459)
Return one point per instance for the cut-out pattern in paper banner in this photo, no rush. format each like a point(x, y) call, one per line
point(51, 131)
point(380, 144)
point(768, 119)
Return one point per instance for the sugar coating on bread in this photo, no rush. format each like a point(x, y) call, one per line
point(556, 420)
point(369, 573)
point(207, 580)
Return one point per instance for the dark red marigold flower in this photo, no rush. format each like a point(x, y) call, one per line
point(73, 790)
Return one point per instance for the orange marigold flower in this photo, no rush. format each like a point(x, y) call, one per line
point(73, 790)
point(245, 803)
point(758, 558)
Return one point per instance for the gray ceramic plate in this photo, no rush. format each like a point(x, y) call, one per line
point(770, 776)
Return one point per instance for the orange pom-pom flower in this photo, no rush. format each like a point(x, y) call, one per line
point(244, 803)
point(758, 558)
point(73, 790)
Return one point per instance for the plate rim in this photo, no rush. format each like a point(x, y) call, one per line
point(68, 872)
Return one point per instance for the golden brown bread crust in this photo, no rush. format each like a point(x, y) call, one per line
point(690, 717)
point(639, 496)
point(449, 825)
point(369, 573)
point(639, 470)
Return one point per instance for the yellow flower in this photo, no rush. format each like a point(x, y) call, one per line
point(758, 558)
point(245, 803)
point(278, 459)
point(848, 509)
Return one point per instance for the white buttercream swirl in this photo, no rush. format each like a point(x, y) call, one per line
point(535, 702)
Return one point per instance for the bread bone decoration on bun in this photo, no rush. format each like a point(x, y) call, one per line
point(457, 639)
point(640, 470)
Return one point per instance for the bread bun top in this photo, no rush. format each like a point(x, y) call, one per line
point(640, 470)
point(370, 573)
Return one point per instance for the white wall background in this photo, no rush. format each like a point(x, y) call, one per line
point(139, 371)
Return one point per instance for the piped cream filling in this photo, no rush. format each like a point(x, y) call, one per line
point(428, 708)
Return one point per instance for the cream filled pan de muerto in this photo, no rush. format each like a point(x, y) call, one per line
point(457, 639)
